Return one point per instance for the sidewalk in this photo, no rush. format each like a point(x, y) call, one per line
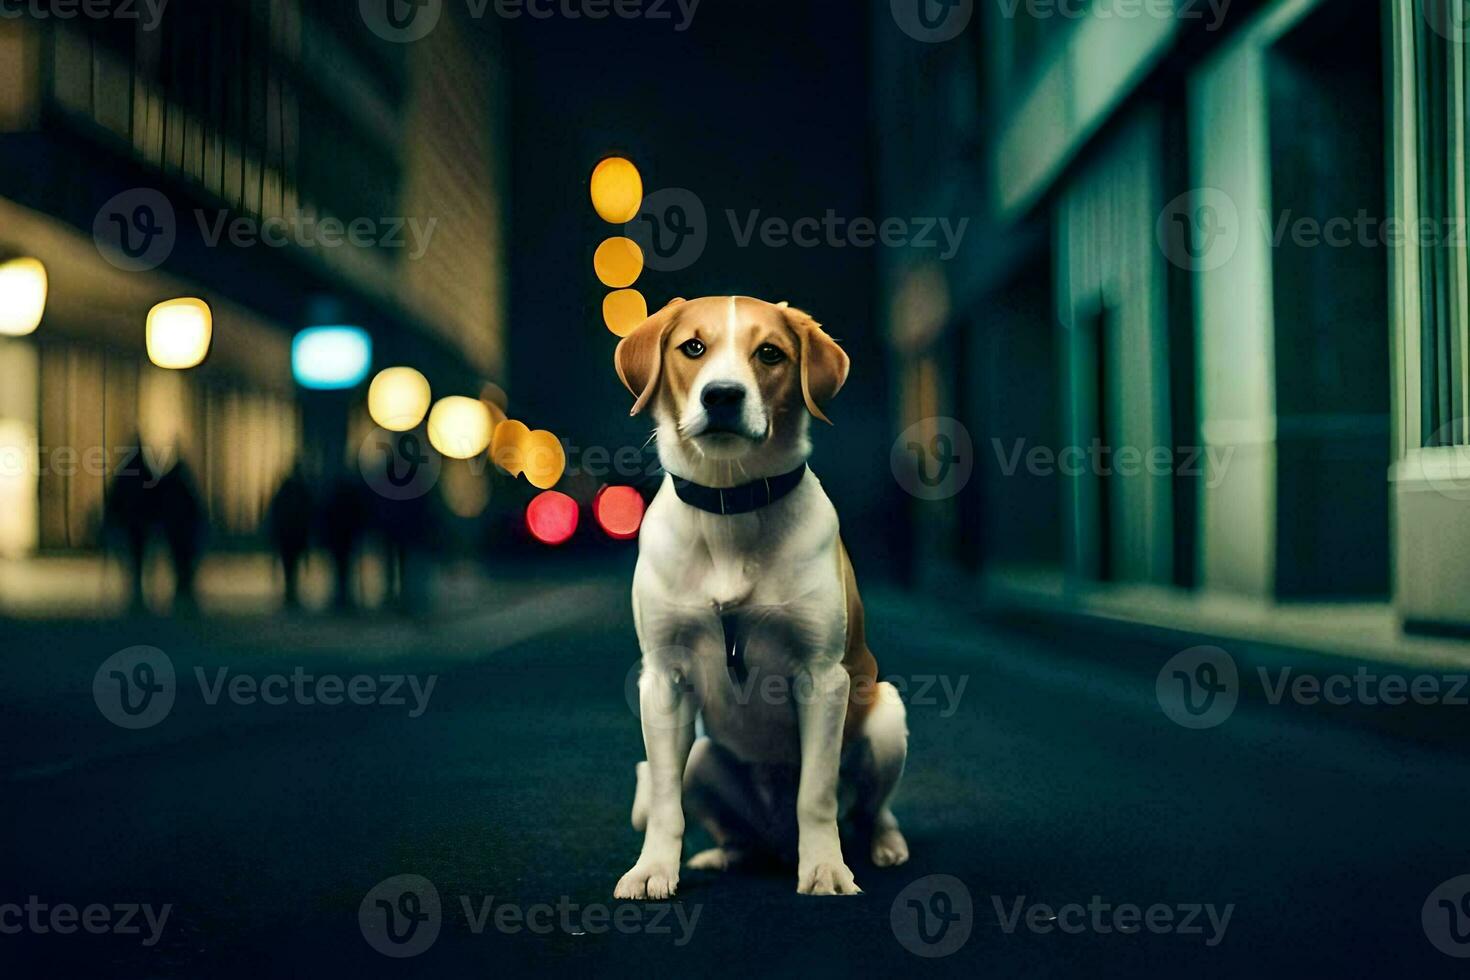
point(1366, 631)
point(248, 585)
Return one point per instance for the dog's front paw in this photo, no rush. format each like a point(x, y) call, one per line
point(889, 848)
point(826, 878)
point(649, 881)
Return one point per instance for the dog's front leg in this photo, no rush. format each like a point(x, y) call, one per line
point(666, 708)
point(821, 708)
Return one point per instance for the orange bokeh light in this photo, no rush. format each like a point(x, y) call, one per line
point(619, 512)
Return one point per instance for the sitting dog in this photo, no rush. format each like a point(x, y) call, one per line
point(747, 610)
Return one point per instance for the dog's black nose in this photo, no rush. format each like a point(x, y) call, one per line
point(723, 396)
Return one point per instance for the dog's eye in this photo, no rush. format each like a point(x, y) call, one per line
point(770, 354)
point(692, 348)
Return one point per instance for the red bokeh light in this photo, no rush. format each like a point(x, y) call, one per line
point(552, 518)
point(619, 511)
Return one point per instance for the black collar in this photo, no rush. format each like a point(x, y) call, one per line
point(742, 499)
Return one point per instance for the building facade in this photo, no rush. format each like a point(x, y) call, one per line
point(1209, 337)
point(282, 161)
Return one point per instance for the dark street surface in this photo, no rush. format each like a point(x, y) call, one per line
point(1054, 776)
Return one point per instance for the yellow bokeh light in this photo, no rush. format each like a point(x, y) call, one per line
point(398, 398)
point(23, 287)
point(179, 332)
point(506, 450)
point(624, 310)
point(544, 458)
point(618, 262)
point(459, 427)
point(617, 190)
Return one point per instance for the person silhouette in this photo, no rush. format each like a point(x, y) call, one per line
point(129, 514)
point(289, 524)
point(181, 516)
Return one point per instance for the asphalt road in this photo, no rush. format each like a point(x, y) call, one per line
point(1078, 830)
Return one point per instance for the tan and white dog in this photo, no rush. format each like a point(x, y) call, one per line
point(747, 610)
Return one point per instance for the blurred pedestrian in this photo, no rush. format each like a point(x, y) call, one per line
point(289, 524)
point(343, 522)
point(181, 515)
point(129, 515)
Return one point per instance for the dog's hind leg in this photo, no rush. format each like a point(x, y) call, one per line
point(718, 793)
point(883, 751)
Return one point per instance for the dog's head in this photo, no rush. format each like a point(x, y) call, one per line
point(731, 378)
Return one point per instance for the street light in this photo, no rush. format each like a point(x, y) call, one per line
point(179, 332)
point(460, 427)
point(331, 358)
point(398, 398)
point(23, 288)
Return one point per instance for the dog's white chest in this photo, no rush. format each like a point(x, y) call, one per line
point(767, 582)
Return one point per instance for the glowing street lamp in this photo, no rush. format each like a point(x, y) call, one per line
point(459, 427)
point(23, 287)
point(179, 332)
point(331, 358)
point(398, 399)
point(617, 190)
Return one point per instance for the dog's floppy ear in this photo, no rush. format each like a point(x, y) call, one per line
point(639, 357)
point(824, 364)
